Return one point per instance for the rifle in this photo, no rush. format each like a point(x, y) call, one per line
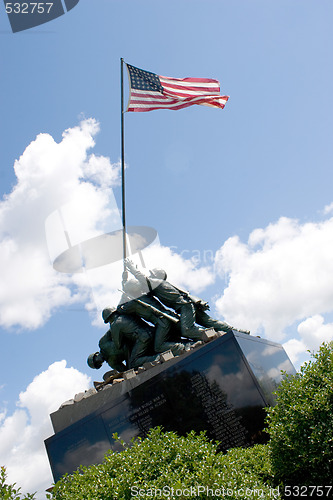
point(152, 308)
point(196, 300)
point(99, 385)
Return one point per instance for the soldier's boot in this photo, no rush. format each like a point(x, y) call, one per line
point(177, 349)
point(145, 359)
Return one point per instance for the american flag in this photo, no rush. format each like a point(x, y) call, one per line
point(149, 91)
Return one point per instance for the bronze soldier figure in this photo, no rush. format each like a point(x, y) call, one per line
point(151, 310)
point(128, 331)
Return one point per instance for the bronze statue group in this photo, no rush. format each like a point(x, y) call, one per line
point(153, 316)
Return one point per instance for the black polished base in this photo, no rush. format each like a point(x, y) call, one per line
point(221, 387)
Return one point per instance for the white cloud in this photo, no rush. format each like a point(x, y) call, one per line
point(49, 175)
point(314, 332)
point(281, 276)
point(328, 209)
point(22, 434)
point(294, 348)
point(184, 273)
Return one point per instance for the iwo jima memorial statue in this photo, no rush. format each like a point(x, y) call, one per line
point(172, 364)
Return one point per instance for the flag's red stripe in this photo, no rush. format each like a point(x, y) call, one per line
point(215, 88)
point(154, 98)
point(147, 106)
point(181, 92)
point(184, 94)
point(191, 80)
point(179, 88)
point(157, 95)
point(172, 104)
point(175, 108)
point(191, 87)
point(153, 102)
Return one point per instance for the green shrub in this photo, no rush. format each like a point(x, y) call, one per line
point(301, 423)
point(165, 460)
point(8, 491)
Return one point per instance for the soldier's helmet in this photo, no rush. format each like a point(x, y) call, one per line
point(158, 273)
point(107, 313)
point(133, 288)
point(95, 360)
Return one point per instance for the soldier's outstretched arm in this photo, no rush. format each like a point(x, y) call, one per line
point(195, 300)
point(135, 271)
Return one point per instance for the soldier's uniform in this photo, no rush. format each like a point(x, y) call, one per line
point(113, 356)
point(164, 330)
point(128, 330)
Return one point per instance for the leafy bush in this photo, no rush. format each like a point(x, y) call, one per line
point(301, 423)
point(163, 461)
point(8, 491)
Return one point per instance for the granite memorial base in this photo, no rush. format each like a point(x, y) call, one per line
point(221, 387)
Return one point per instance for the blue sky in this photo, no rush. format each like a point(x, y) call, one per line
point(241, 198)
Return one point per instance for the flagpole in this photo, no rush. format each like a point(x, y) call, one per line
point(123, 166)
